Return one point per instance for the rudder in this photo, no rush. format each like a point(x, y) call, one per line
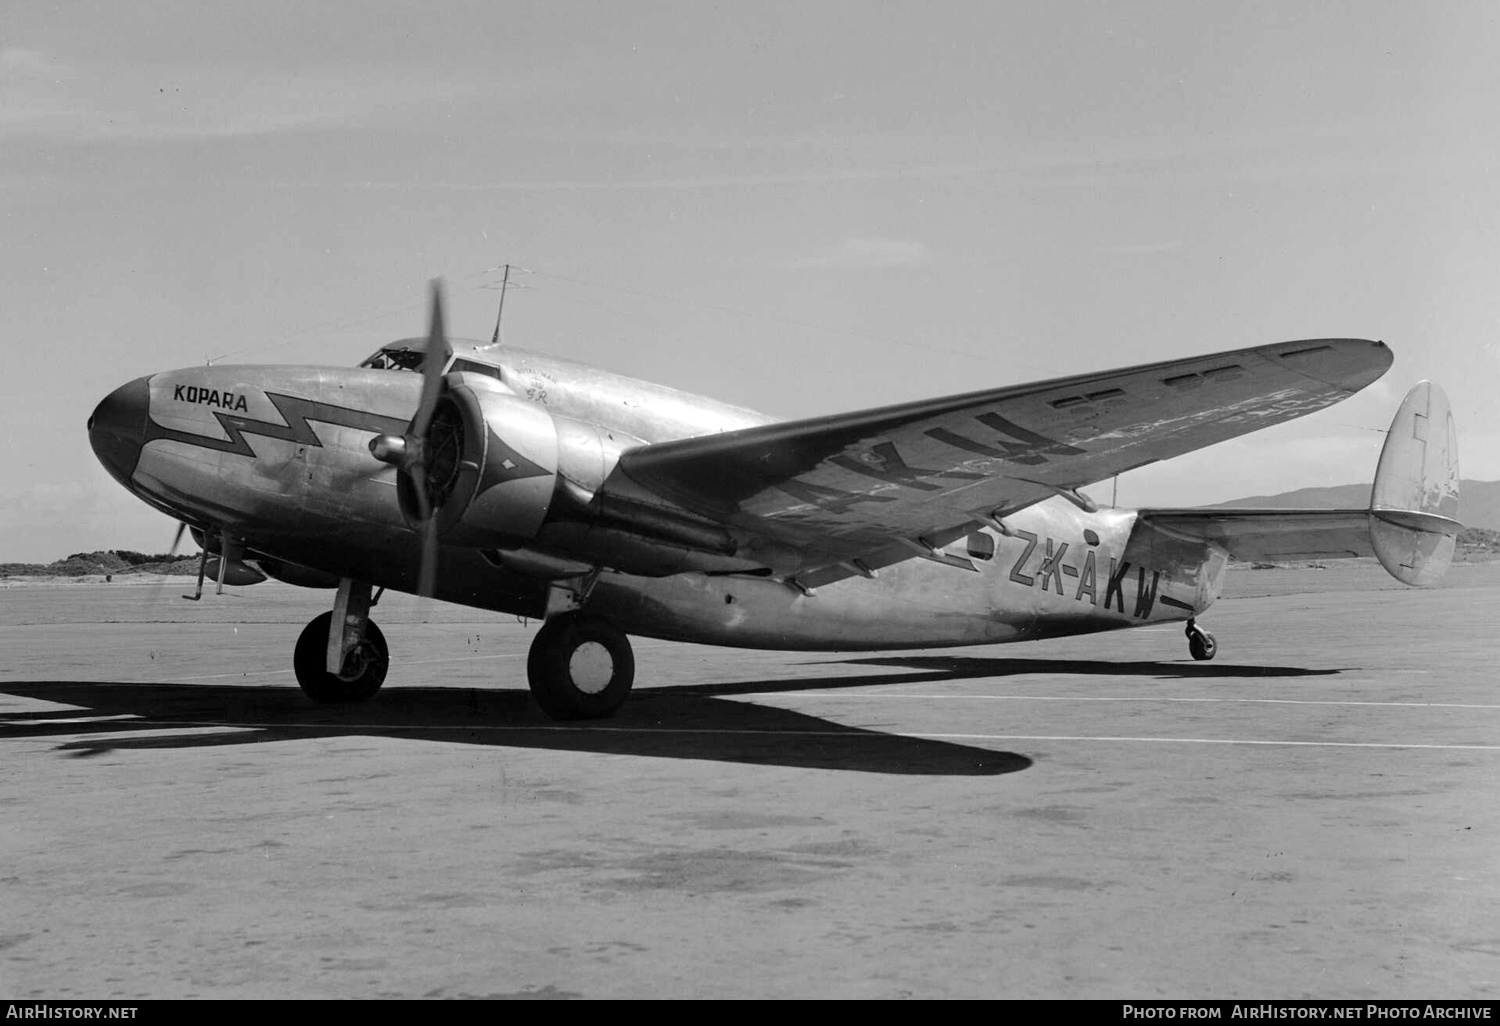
point(1414, 502)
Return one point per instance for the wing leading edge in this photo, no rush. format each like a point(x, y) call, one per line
point(860, 490)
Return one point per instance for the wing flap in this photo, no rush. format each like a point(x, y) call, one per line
point(898, 551)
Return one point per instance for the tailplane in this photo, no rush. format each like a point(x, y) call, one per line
point(1411, 524)
point(1414, 502)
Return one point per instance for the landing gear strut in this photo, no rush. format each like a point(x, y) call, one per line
point(580, 667)
point(1201, 644)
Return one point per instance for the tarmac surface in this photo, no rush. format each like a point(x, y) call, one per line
point(1312, 814)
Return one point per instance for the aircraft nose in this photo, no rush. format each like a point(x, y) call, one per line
point(118, 428)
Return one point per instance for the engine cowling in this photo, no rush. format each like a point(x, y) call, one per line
point(491, 465)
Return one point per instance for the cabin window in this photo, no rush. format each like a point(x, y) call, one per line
point(981, 546)
point(475, 367)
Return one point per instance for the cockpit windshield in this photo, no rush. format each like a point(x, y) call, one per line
point(396, 358)
point(401, 357)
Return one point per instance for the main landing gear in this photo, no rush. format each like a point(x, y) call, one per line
point(580, 667)
point(341, 655)
point(360, 673)
point(1201, 644)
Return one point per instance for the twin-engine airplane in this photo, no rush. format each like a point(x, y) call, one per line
point(527, 484)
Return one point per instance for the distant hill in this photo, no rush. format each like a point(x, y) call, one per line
point(1478, 501)
point(118, 562)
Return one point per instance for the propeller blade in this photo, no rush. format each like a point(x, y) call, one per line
point(433, 364)
point(427, 569)
point(427, 577)
point(202, 567)
point(171, 557)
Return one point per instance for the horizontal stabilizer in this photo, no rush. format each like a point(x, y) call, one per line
point(1278, 535)
point(1269, 535)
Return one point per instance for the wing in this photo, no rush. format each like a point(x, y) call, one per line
point(856, 491)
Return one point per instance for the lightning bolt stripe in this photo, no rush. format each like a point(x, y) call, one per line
point(298, 413)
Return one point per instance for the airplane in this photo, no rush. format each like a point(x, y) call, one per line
point(607, 506)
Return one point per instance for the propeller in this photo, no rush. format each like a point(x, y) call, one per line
point(182, 528)
point(411, 454)
point(201, 537)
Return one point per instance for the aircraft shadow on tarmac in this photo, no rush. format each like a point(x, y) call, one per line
point(932, 669)
point(668, 722)
point(989, 666)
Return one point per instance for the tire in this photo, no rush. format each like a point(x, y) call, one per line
point(1202, 646)
point(580, 668)
point(365, 667)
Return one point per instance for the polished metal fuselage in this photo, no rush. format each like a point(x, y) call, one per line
point(278, 458)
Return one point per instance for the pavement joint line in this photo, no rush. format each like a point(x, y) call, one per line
point(928, 698)
point(6, 722)
point(1120, 698)
point(861, 733)
point(1204, 741)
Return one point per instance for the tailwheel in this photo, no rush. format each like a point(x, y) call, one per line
point(1201, 644)
point(363, 671)
point(580, 668)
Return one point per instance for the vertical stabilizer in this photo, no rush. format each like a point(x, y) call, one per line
point(1417, 473)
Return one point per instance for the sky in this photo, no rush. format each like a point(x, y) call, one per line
point(800, 207)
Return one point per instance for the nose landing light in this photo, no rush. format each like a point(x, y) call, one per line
point(117, 428)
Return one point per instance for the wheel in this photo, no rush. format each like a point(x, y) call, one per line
point(1201, 644)
point(364, 668)
point(580, 668)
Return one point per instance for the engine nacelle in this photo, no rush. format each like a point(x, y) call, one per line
point(492, 465)
point(296, 574)
point(236, 573)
